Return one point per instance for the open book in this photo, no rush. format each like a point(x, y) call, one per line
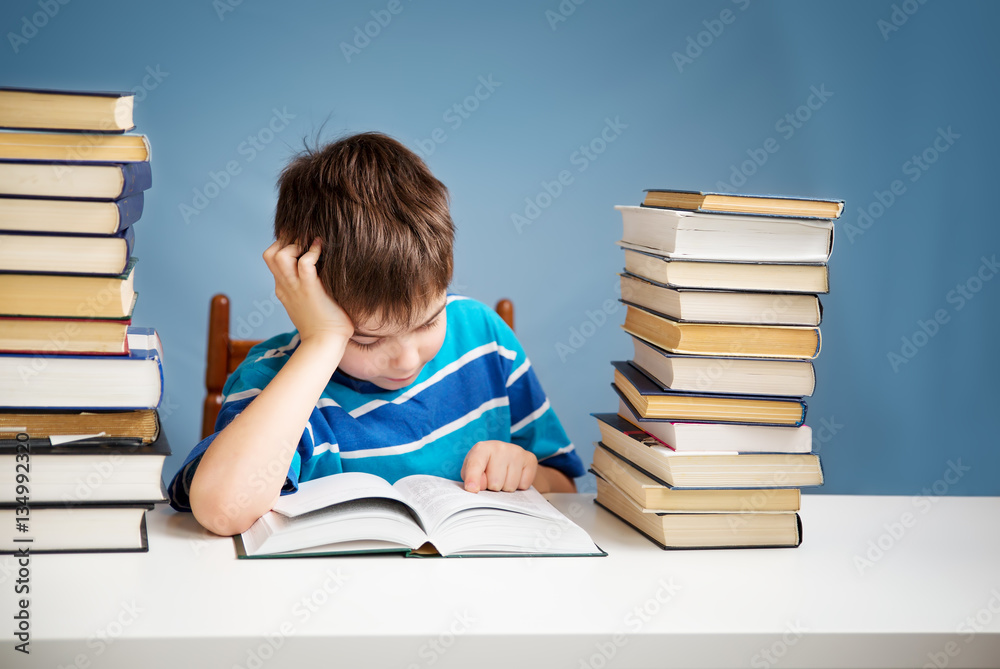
point(355, 512)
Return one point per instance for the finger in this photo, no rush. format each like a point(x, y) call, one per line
point(271, 250)
point(473, 468)
point(513, 477)
point(286, 261)
point(496, 474)
point(307, 261)
point(527, 476)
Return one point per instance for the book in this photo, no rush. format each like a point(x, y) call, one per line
point(76, 147)
point(80, 427)
point(36, 109)
point(685, 234)
point(702, 530)
point(66, 254)
point(709, 469)
point(55, 336)
point(652, 495)
point(722, 339)
point(94, 181)
point(358, 512)
point(79, 217)
point(726, 275)
point(650, 401)
point(694, 437)
point(98, 469)
point(69, 296)
point(133, 381)
point(724, 374)
point(768, 205)
point(695, 305)
point(96, 528)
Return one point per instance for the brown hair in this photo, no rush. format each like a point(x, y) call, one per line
point(383, 221)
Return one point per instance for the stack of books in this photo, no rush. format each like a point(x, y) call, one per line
point(708, 448)
point(81, 446)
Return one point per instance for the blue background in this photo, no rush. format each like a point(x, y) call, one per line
point(209, 76)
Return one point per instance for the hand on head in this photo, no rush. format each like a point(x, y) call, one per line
point(296, 283)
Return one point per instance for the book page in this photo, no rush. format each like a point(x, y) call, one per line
point(334, 489)
point(435, 499)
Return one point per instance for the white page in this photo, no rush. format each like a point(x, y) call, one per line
point(334, 489)
point(435, 498)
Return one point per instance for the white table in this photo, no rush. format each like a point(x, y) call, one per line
point(190, 603)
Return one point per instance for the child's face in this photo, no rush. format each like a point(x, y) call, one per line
point(392, 359)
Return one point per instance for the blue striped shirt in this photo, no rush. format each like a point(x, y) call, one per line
point(480, 386)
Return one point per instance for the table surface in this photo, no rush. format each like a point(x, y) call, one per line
point(877, 581)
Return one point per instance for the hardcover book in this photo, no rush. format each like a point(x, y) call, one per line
point(722, 339)
point(78, 217)
point(61, 336)
point(709, 469)
point(68, 295)
point(356, 512)
point(724, 374)
point(702, 530)
point(738, 203)
point(87, 470)
point(76, 147)
point(49, 427)
point(651, 401)
point(726, 275)
point(92, 528)
point(692, 235)
point(698, 437)
point(133, 381)
point(89, 111)
point(66, 254)
point(652, 495)
point(695, 305)
point(74, 180)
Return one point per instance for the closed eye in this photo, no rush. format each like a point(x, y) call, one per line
point(378, 342)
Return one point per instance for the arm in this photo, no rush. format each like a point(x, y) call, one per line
point(550, 479)
point(241, 474)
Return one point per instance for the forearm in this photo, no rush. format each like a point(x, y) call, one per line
point(241, 474)
point(548, 479)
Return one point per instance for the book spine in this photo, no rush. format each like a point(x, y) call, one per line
point(129, 210)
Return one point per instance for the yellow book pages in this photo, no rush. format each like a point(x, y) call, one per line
point(767, 341)
point(73, 146)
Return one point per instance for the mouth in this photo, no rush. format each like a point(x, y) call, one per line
point(405, 378)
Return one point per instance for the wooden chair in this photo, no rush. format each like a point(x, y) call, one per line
point(224, 355)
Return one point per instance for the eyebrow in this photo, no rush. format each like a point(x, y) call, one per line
point(358, 333)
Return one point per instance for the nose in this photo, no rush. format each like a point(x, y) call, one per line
point(406, 356)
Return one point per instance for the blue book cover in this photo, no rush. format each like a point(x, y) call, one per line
point(68, 179)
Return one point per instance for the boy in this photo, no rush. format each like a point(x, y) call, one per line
point(386, 372)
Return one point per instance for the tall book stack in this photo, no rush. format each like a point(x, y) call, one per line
point(81, 449)
point(709, 448)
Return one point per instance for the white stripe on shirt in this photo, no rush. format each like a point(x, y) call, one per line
point(281, 350)
point(518, 372)
point(242, 395)
point(442, 431)
point(531, 416)
point(448, 369)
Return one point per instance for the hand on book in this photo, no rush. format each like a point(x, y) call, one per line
point(310, 308)
point(498, 465)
